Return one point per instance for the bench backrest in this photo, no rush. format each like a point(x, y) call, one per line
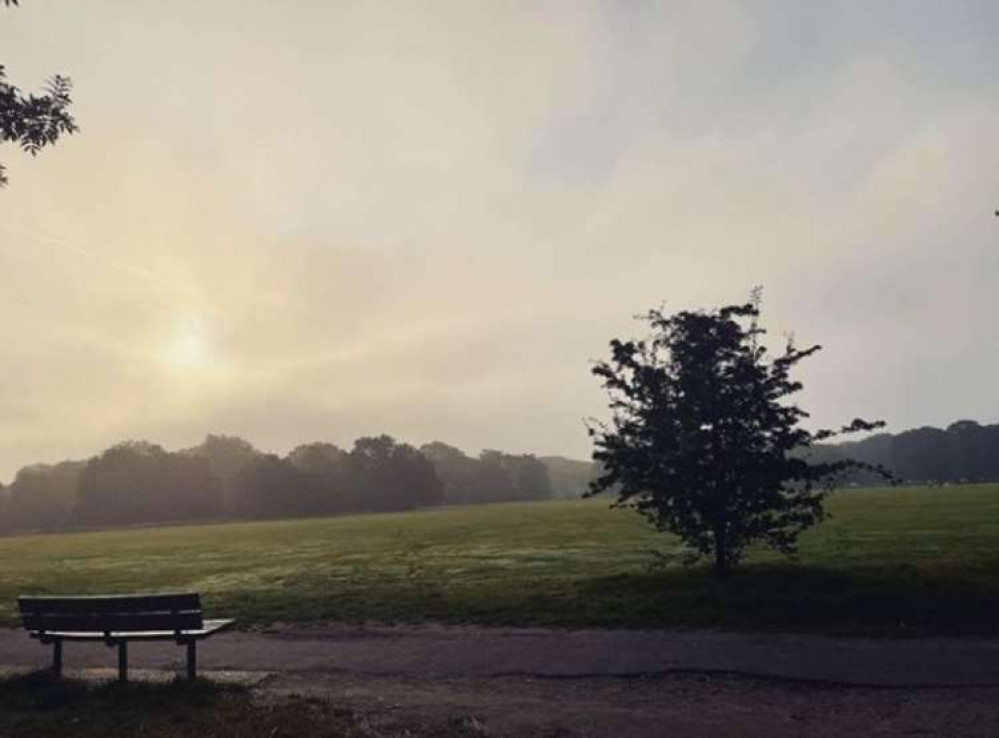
point(112, 614)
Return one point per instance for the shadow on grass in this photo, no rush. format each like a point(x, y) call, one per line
point(895, 601)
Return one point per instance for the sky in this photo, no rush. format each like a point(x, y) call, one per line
point(320, 220)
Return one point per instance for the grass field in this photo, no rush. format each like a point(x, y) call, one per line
point(890, 561)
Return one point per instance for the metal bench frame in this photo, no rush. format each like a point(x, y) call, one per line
point(117, 619)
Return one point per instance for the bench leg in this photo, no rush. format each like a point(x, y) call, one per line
point(123, 661)
point(57, 658)
point(192, 659)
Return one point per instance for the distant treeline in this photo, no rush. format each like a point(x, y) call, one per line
point(965, 452)
point(224, 478)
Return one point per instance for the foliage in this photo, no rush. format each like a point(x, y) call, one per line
point(34, 121)
point(226, 455)
point(493, 477)
point(139, 482)
point(225, 477)
point(570, 478)
point(42, 496)
point(392, 476)
point(272, 487)
point(703, 441)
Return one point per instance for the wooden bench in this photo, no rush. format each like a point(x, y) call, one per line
point(118, 619)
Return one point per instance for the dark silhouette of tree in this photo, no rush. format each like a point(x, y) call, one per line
point(42, 496)
point(494, 483)
point(139, 482)
point(227, 455)
point(530, 477)
point(493, 477)
point(570, 478)
point(392, 476)
point(458, 472)
point(326, 459)
point(973, 451)
point(924, 454)
point(703, 441)
point(34, 121)
point(326, 471)
point(271, 487)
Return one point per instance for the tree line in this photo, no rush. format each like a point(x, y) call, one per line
point(226, 477)
point(965, 451)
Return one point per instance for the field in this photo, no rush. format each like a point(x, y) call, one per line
point(890, 561)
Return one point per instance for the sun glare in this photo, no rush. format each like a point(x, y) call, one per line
point(190, 346)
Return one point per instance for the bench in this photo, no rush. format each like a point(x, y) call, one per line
point(118, 619)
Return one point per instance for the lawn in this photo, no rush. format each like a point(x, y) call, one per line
point(889, 561)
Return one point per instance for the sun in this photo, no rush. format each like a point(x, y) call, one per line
point(190, 346)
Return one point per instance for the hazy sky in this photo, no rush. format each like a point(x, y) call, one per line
point(318, 220)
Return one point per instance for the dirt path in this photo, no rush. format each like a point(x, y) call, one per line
point(621, 683)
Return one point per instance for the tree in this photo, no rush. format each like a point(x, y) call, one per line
point(923, 455)
point(392, 476)
point(272, 487)
point(493, 480)
point(226, 455)
point(703, 441)
point(42, 496)
point(139, 482)
point(325, 469)
point(530, 477)
point(457, 472)
point(570, 478)
point(34, 121)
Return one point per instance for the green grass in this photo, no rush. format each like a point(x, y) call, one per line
point(899, 561)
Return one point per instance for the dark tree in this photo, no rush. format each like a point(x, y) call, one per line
point(529, 476)
point(272, 487)
point(324, 468)
point(458, 472)
point(34, 121)
point(226, 455)
point(42, 496)
point(569, 478)
point(923, 455)
point(703, 441)
point(392, 476)
point(139, 482)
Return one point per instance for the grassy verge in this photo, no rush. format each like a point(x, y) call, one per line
point(895, 561)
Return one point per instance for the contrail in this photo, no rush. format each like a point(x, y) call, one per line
point(86, 253)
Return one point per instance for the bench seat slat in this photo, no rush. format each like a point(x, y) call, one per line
point(210, 627)
point(119, 622)
point(43, 604)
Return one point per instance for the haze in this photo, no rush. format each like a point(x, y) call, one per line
point(319, 220)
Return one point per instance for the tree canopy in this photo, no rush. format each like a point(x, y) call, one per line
point(34, 121)
point(703, 440)
point(226, 477)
